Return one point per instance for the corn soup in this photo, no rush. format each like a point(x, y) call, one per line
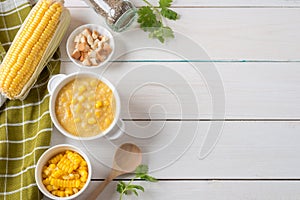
point(85, 107)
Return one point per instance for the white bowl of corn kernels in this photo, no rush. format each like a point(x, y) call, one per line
point(83, 105)
point(63, 172)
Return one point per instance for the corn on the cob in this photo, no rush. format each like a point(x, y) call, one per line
point(33, 46)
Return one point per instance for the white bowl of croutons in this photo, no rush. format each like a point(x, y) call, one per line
point(90, 46)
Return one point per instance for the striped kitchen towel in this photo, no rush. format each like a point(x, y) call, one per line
point(25, 126)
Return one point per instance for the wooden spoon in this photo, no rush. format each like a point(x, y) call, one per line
point(127, 158)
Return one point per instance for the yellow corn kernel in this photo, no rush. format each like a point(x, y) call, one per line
point(93, 83)
point(77, 120)
point(75, 158)
point(69, 93)
point(78, 109)
point(65, 165)
point(88, 114)
point(65, 183)
point(69, 112)
point(27, 50)
point(75, 190)
point(47, 172)
point(83, 164)
point(107, 121)
point(55, 187)
point(52, 166)
point(91, 98)
point(81, 185)
point(55, 159)
point(63, 100)
point(82, 167)
point(98, 113)
point(49, 188)
point(81, 99)
point(77, 183)
point(77, 176)
point(58, 193)
point(74, 101)
point(82, 89)
point(69, 177)
point(83, 173)
point(102, 127)
point(106, 103)
point(46, 181)
point(58, 173)
point(69, 191)
point(92, 121)
point(83, 179)
point(98, 104)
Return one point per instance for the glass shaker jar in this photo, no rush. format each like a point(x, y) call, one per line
point(119, 14)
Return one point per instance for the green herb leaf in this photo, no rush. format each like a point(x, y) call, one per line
point(136, 187)
point(165, 3)
point(162, 33)
point(147, 18)
point(169, 14)
point(141, 170)
point(150, 19)
point(121, 186)
point(149, 178)
point(135, 192)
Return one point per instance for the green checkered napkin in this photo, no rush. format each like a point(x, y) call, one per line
point(25, 126)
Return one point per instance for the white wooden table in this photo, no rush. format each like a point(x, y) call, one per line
point(169, 101)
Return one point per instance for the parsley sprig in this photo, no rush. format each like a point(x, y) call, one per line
point(151, 19)
point(141, 172)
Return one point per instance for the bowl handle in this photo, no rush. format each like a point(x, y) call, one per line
point(53, 82)
point(117, 131)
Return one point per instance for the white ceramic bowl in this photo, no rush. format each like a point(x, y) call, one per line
point(57, 82)
point(71, 45)
point(47, 155)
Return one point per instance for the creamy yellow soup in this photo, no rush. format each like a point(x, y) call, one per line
point(85, 107)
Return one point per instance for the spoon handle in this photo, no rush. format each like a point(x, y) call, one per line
point(99, 189)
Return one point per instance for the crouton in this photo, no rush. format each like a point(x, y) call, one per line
point(76, 54)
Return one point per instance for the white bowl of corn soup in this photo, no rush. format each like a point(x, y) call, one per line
point(63, 172)
point(90, 46)
point(83, 105)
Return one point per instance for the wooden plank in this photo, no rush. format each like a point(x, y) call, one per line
point(245, 150)
point(205, 3)
point(217, 190)
point(190, 90)
point(268, 34)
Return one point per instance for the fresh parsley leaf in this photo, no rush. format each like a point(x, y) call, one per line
point(136, 193)
point(147, 18)
point(141, 170)
point(136, 187)
point(148, 178)
point(162, 33)
point(169, 14)
point(121, 186)
point(165, 3)
point(150, 19)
